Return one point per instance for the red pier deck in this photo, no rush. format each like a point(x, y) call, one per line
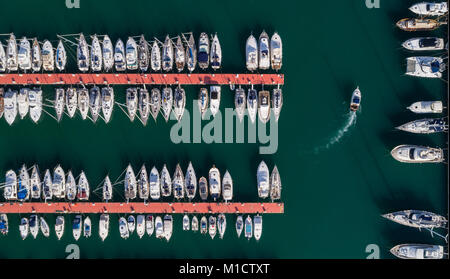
point(140, 207)
point(141, 78)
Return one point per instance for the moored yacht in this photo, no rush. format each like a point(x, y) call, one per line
point(203, 225)
point(3, 66)
point(264, 51)
point(143, 104)
point(252, 104)
point(221, 225)
point(203, 51)
point(227, 187)
point(425, 126)
point(418, 24)
point(22, 102)
point(24, 54)
point(214, 99)
point(10, 106)
point(179, 102)
point(277, 102)
point(167, 54)
point(119, 56)
point(248, 227)
point(61, 56)
point(425, 66)
point(418, 251)
point(83, 187)
point(2, 100)
point(216, 53)
point(191, 54)
point(96, 55)
point(45, 229)
point(23, 185)
point(251, 53)
point(190, 182)
point(257, 223)
point(240, 102)
point(429, 8)
point(194, 224)
point(35, 103)
point(59, 226)
point(10, 188)
point(143, 54)
point(154, 182)
point(424, 43)
point(131, 54)
point(214, 183)
point(417, 154)
point(48, 58)
point(71, 186)
point(11, 54)
point(34, 225)
point(180, 58)
point(143, 187)
point(426, 107)
point(166, 102)
point(166, 182)
point(123, 228)
point(264, 106)
point(71, 101)
point(417, 219)
point(178, 183)
point(59, 103)
point(132, 102)
point(107, 102)
point(59, 183)
point(155, 102)
point(140, 225)
point(239, 225)
point(186, 223)
point(47, 186)
point(275, 185)
point(155, 57)
point(203, 188)
point(83, 102)
point(107, 189)
point(95, 102)
point(131, 223)
point(108, 53)
point(130, 184)
point(35, 183)
point(83, 54)
point(24, 228)
point(212, 228)
point(262, 177)
point(149, 224)
point(168, 226)
point(36, 56)
point(159, 228)
point(103, 228)
point(203, 101)
point(276, 51)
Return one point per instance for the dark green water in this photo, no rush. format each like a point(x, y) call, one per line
point(333, 197)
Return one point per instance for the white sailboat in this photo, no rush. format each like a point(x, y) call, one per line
point(95, 102)
point(155, 57)
point(107, 189)
point(10, 189)
point(166, 102)
point(143, 54)
point(227, 187)
point(132, 102)
point(221, 224)
point(3, 65)
point(180, 58)
point(277, 102)
point(107, 102)
point(144, 105)
point(167, 55)
point(71, 186)
point(166, 182)
point(179, 102)
point(262, 177)
point(71, 101)
point(59, 103)
point(214, 183)
point(59, 183)
point(178, 183)
point(24, 228)
point(130, 184)
point(140, 227)
point(264, 106)
point(155, 102)
point(275, 185)
point(87, 227)
point(59, 226)
point(119, 56)
point(83, 187)
point(96, 55)
point(155, 190)
point(190, 182)
point(61, 56)
point(203, 101)
point(252, 104)
point(108, 54)
point(47, 186)
point(35, 183)
point(214, 99)
point(239, 225)
point(149, 225)
point(103, 227)
point(191, 54)
point(83, 54)
point(34, 225)
point(45, 229)
point(22, 102)
point(23, 190)
point(143, 185)
point(36, 56)
point(11, 54)
point(251, 53)
point(276, 51)
point(240, 102)
point(10, 106)
point(216, 53)
point(83, 102)
point(35, 104)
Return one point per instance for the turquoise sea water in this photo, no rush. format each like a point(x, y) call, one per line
point(335, 184)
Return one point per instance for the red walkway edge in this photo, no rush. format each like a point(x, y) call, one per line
point(140, 207)
point(150, 78)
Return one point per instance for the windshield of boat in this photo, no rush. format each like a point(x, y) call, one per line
point(427, 42)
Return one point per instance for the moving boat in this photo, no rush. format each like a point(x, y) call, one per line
point(203, 225)
point(107, 189)
point(190, 182)
point(59, 103)
point(23, 228)
point(180, 59)
point(214, 99)
point(248, 227)
point(143, 54)
point(159, 228)
point(71, 186)
point(186, 223)
point(166, 182)
point(191, 54)
point(95, 102)
point(123, 228)
point(194, 224)
point(155, 102)
point(45, 229)
point(214, 183)
point(35, 183)
point(203, 101)
point(277, 102)
point(155, 57)
point(426, 107)
point(140, 227)
point(144, 109)
point(251, 53)
point(143, 184)
point(59, 226)
point(11, 54)
point(252, 104)
point(3, 66)
point(103, 228)
point(239, 225)
point(2, 100)
point(417, 154)
point(87, 227)
point(166, 102)
point(178, 183)
point(264, 106)
point(107, 102)
point(61, 56)
point(149, 225)
point(262, 177)
point(130, 184)
point(425, 66)
point(227, 187)
point(203, 51)
point(59, 183)
point(429, 8)
point(108, 53)
point(221, 225)
point(35, 104)
point(10, 106)
point(425, 126)
point(168, 226)
point(418, 251)
point(96, 55)
point(216, 53)
point(22, 102)
point(155, 190)
point(276, 52)
point(83, 102)
point(132, 102)
point(167, 54)
point(179, 103)
point(131, 54)
point(424, 43)
point(47, 186)
point(119, 56)
point(24, 54)
point(212, 226)
point(418, 24)
point(10, 189)
point(82, 54)
point(48, 57)
point(36, 57)
point(417, 219)
point(355, 101)
point(275, 185)
point(240, 103)
point(257, 222)
point(34, 225)
point(131, 223)
point(264, 51)
point(83, 187)
point(23, 186)
point(203, 188)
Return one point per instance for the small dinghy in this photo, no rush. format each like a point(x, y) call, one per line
point(83, 102)
point(417, 154)
point(262, 177)
point(214, 182)
point(276, 52)
point(275, 185)
point(47, 186)
point(45, 229)
point(425, 66)
point(257, 222)
point(425, 126)
point(252, 104)
point(212, 228)
point(178, 183)
point(167, 55)
point(131, 223)
point(186, 223)
point(155, 57)
point(227, 187)
point(119, 56)
point(3, 66)
point(143, 187)
point(155, 102)
point(130, 184)
point(418, 24)
point(143, 54)
point(96, 55)
point(71, 186)
point(159, 228)
point(10, 190)
point(59, 183)
point(248, 227)
point(240, 102)
point(61, 56)
point(418, 251)
point(166, 102)
point(180, 59)
point(34, 225)
point(23, 185)
point(203, 51)
point(140, 227)
point(59, 103)
point(24, 228)
point(264, 55)
point(251, 53)
point(355, 101)
point(95, 102)
point(83, 187)
point(239, 225)
point(132, 102)
point(216, 53)
point(149, 225)
point(22, 102)
point(203, 188)
point(71, 101)
point(10, 106)
point(426, 107)
point(191, 54)
point(429, 8)
point(59, 227)
point(107, 189)
point(168, 227)
point(166, 182)
point(35, 183)
point(83, 54)
point(214, 99)
point(221, 225)
point(155, 190)
point(190, 182)
point(36, 56)
point(179, 102)
point(424, 43)
point(194, 224)
point(203, 225)
point(24, 54)
point(103, 228)
point(203, 101)
point(264, 106)
point(48, 58)
point(131, 54)
point(277, 102)
point(11, 54)
point(108, 54)
point(123, 228)
point(107, 102)
point(144, 108)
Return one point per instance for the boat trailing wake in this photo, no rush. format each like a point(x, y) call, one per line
point(350, 121)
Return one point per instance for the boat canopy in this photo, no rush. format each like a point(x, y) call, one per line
point(428, 42)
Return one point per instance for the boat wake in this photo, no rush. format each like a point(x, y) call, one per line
point(350, 121)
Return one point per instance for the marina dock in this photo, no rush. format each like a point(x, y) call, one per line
point(141, 78)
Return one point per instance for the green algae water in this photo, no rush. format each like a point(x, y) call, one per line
point(336, 182)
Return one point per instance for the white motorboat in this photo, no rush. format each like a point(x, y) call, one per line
point(239, 225)
point(155, 57)
point(3, 66)
point(166, 182)
point(276, 52)
point(417, 154)
point(214, 99)
point(194, 224)
point(48, 57)
point(212, 228)
point(179, 102)
point(83, 54)
point(119, 56)
point(131, 54)
point(131, 222)
point(178, 183)
point(216, 53)
point(227, 187)
point(24, 228)
point(144, 105)
point(180, 58)
point(275, 185)
point(277, 102)
point(83, 187)
point(264, 51)
point(10, 106)
point(96, 55)
point(221, 225)
point(95, 102)
point(257, 222)
point(34, 225)
point(59, 226)
point(24, 54)
point(130, 184)
point(143, 185)
point(11, 54)
point(240, 102)
point(108, 53)
point(166, 102)
point(168, 227)
point(203, 188)
point(264, 106)
point(248, 232)
point(107, 102)
point(167, 54)
point(426, 107)
point(35, 104)
point(214, 183)
point(149, 224)
point(159, 228)
point(143, 54)
point(262, 177)
point(425, 126)
point(47, 186)
point(45, 229)
point(425, 66)
point(424, 43)
point(429, 8)
point(123, 228)
point(203, 225)
point(103, 228)
point(203, 51)
point(132, 102)
point(35, 183)
point(155, 102)
point(251, 53)
point(355, 101)
point(191, 54)
point(23, 185)
point(83, 102)
point(203, 101)
point(59, 103)
point(417, 219)
point(59, 183)
point(418, 251)
point(61, 56)
point(71, 186)
point(252, 104)
point(36, 56)
point(190, 182)
point(10, 189)
point(140, 226)
point(107, 189)
point(22, 102)
point(186, 223)
point(155, 189)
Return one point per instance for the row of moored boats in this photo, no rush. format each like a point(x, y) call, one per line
point(264, 54)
